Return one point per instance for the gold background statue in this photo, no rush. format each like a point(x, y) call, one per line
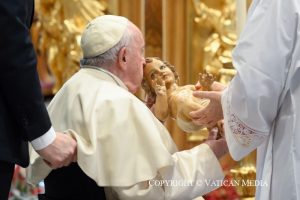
point(217, 46)
point(56, 32)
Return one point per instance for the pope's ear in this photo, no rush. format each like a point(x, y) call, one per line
point(122, 57)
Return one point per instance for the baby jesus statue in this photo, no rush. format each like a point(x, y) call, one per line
point(167, 99)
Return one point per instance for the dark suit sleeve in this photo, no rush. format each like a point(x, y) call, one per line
point(19, 82)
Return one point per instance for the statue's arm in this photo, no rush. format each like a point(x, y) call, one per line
point(161, 107)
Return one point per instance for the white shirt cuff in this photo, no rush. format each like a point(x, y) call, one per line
point(44, 140)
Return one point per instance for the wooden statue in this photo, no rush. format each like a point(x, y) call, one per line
point(167, 99)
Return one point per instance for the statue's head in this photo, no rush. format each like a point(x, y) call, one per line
point(156, 71)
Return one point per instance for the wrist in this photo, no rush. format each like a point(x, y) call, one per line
point(44, 140)
point(219, 147)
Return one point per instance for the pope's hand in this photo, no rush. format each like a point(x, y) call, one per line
point(218, 146)
point(61, 152)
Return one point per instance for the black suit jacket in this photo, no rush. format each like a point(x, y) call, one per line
point(23, 115)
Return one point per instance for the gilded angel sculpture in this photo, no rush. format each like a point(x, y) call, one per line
point(218, 47)
point(58, 30)
point(167, 99)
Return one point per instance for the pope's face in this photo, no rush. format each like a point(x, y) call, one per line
point(135, 61)
point(156, 69)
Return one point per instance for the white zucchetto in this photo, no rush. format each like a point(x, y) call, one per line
point(101, 34)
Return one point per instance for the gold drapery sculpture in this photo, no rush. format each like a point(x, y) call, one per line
point(219, 45)
point(56, 37)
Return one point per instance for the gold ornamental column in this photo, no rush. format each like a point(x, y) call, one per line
point(153, 28)
point(131, 9)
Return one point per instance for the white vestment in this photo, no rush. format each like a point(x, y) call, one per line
point(261, 104)
point(122, 146)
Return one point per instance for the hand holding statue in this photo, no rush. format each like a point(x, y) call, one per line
point(213, 112)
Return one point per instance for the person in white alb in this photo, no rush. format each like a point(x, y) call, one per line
point(260, 105)
point(121, 145)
